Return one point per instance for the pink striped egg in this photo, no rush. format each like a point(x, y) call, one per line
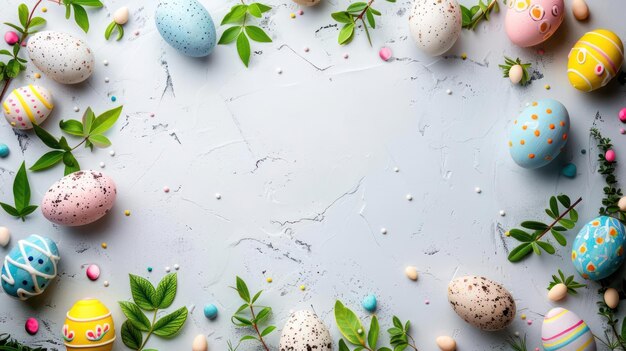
point(563, 330)
point(27, 105)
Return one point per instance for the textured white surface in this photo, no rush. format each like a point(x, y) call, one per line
point(304, 162)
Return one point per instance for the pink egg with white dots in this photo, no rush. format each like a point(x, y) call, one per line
point(27, 105)
point(531, 22)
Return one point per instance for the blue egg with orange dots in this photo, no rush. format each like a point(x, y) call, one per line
point(598, 249)
point(539, 133)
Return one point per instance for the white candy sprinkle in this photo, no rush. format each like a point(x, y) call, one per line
point(502, 213)
point(76, 109)
point(105, 62)
point(101, 164)
point(449, 92)
point(167, 269)
point(306, 49)
point(218, 196)
point(176, 267)
point(106, 283)
point(396, 169)
point(112, 152)
point(106, 79)
point(409, 197)
point(383, 230)
point(478, 190)
point(166, 189)
point(346, 55)
point(279, 70)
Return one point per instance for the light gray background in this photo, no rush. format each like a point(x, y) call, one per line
point(305, 165)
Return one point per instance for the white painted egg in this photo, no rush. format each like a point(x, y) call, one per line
point(79, 198)
point(435, 25)
point(563, 330)
point(481, 302)
point(27, 105)
point(60, 56)
point(304, 331)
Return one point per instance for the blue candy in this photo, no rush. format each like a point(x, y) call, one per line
point(4, 150)
point(369, 303)
point(569, 170)
point(210, 311)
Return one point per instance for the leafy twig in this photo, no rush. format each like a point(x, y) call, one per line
point(353, 331)
point(148, 298)
point(569, 282)
point(243, 32)
point(472, 16)
point(510, 63)
point(612, 193)
point(517, 343)
point(9, 344)
point(247, 316)
point(399, 335)
point(532, 242)
point(21, 196)
point(613, 340)
point(358, 11)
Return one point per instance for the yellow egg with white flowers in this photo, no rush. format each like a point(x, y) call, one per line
point(595, 59)
point(88, 327)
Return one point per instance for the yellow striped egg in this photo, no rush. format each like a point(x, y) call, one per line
point(595, 60)
point(89, 327)
point(27, 105)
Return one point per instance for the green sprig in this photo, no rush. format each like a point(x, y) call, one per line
point(358, 11)
point(614, 336)
point(114, 27)
point(473, 15)
point(612, 193)
point(21, 196)
point(517, 343)
point(569, 282)
point(80, 14)
point(148, 298)
point(399, 336)
point(509, 63)
point(248, 315)
point(241, 32)
point(531, 241)
point(9, 344)
point(352, 330)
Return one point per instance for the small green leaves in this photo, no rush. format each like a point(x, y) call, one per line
point(241, 32)
point(247, 316)
point(134, 314)
point(165, 292)
point(143, 292)
point(171, 324)
point(114, 27)
point(358, 11)
point(349, 324)
point(612, 193)
point(569, 282)
point(399, 335)
point(517, 343)
point(21, 196)
point(22, 12)
point(472, 16)
point(80, 14)
point(346, 33)
point(10, 344)
point(131, 336)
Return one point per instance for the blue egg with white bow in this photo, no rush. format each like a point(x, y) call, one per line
point(30, 267)
point(187, 26)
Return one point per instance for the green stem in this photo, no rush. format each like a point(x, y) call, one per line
point(559, 218)
point(150, 331)
point(256, 329)
point(412, 343)
point(79, 144)
point(367, 32)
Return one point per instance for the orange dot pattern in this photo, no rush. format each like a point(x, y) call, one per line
point(598, 249)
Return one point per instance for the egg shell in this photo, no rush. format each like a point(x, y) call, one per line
point(121, 15)
point(435, 25)
point(5, 236)
point(445, 343)
point(60, 56)
point(88, 327)
point(611, 297)
point(564, 330)
point(580, 10)
point(28, 105)
point(598, 249)
point(558, 292)
point(531, 22)
point(199, 343)
point(622, 203)
point(595, 59)
point(481, 302)
point(30, 267)
point(307, 2)
point(187, 26)
point(79, 198)
point(304, 331)
point(539, 133)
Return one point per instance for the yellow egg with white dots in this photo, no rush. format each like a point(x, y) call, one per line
point(595, 59)
point(89, 327)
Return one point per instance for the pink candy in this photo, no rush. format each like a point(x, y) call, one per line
point(93, 272)
point(31, 326)
point(622, 115)
point(610, 155)
point(11, 37)
point(385, 53)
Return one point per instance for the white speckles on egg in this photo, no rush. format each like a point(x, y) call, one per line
point(304, 331)
point(60, 56)
point(27, 105)
point(435, 25)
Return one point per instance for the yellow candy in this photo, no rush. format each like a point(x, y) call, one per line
point(595, 59)
point(89, 327)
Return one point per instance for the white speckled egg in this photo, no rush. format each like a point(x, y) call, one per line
point(598, 249)
point(60, 56)
point(307, 2)
point(481, 302)
point(304, 331)
point(187, 26)
point(27, 105)
point(435, 25)
point(563, 330)
point(539, 133)
point(531, 22)
point(79, 198)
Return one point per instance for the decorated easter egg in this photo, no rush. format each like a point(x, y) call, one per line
point(598, 249)
point(539, 133)
point(531, 22)
point(30, 267)
point(304, 331)
point(60, 56)
point(187, 26)
point(88, 327)
point(564, 330)
point(79, 198)
point(27, 105)
point(595, 59)
point(435, 25)
point(307, 2)
point(481, 302)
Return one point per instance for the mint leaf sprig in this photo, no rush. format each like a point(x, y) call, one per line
point(21, 197)
point(242, 32)
point(248, 316)
point(612, 193)
point(473, 15)
point(91, 130)
point(531, 242)
point(569, 282)
point(358, 11)
point(148, 298)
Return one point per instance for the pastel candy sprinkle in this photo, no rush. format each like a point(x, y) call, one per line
point(569, 170)
point(31, 326)
point(622, 115)
point(610, 155)
point(210, 311)
point(4, 150)
point(369, 303)
point(93, 272)
point(385, 53)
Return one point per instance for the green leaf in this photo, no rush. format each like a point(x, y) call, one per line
point(256, 297)
point(370, 18)
point(554, 206)
point(550, 213)
point(372, 336)
point(573, 215)
point(535, 248)
point(268, 330)
point(135, 315)
point(230, 35)
point(13, 68)
point(120, 31)
point(9, 209)
point(567, 223)
point(47, 160)
point(21, 189)
point(166, 291)
point(564, 200)
point(68, 10)
point(255, 11)
point(6, 52)
point(262, 315)
point(27, 210)
point(242, 289)
point(131, 336)
point(243, 48)
point(264, 8)
point(520, 235)
point(22, 11)
point(342, 17)
point(343, 346)
point(81, 18)
point(346, 33)
point(357, 7)
point(534, 225)
point(465, 16)
point(242, 322)
point(17, 28)
point(170, 324)
point(559, 237)
point(72, 127)
point(236, 14)
point(109, 30)
point(349, 324)
point(247, 337)
point(88, 119)
point(624, 328)
point(36, 22)
point(521, 251)
point(71, 163)
point(46, 137)
point(88, 3)
point(547, 247)
point(105, 121)
point(100, 141)
point(143, 292)
point(257, 34)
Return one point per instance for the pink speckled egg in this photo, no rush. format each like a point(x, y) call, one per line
point(531, 22)
point(79, 198)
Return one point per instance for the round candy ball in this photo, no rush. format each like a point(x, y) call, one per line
point(11, 37)
point(93, 272)
point(369, 303)
point(622, 115)
point(4, 150)
point(31, 326)
point(210, 311)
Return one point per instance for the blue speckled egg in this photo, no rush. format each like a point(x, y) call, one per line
point(598, 249)
point(187, 26)
point(29, 267)
point(539, 133)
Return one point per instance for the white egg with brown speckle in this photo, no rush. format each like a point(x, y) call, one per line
point(60, 56)
point(481, 302)
point(304, 331)
point(28, 105)
point(79, 198)
point(435, 25)
point(307, 2)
